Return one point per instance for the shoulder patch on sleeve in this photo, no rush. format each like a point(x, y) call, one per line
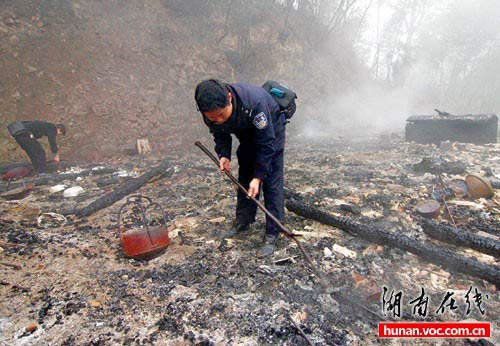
point(260, 121)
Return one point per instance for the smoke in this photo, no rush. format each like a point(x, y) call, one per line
point(369, 110)
point(417, 56)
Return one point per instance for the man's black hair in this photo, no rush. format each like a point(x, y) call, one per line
point(211, 95)
point(62, 128)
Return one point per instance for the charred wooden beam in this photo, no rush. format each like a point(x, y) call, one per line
point(457, 236)
point(127, 188)
point(429, 252)
point(55, 178)
point(477, 129)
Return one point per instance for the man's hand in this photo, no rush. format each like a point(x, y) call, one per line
point(224, 164)
point(254, 188)
point(56, 158)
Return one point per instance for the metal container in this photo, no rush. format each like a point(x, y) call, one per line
point(18, 172)
point(479, 187)
point(459, 187)
point(428, 208)
point(144, 241)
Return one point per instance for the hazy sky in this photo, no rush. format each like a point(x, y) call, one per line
point(377, 16)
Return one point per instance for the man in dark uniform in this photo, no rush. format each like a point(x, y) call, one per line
point(26, 134)
point(254, 117)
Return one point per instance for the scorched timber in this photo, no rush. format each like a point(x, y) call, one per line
point(428, 252)
point(126, 189)
point(460, 237)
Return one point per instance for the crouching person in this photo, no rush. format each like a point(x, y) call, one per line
point(26, 134)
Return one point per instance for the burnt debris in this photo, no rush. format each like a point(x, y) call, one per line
point(469, 128)
point(461, 237)
point(74, 271)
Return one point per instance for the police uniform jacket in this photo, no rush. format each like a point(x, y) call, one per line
point(256, 120)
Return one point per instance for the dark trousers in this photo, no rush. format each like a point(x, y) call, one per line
point(34, 150)
point(272, 185)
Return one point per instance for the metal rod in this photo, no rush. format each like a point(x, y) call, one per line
point(300, 331)
point(278, 223)
point(444, 201)
point(242, 188)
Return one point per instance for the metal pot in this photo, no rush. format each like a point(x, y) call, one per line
point(429, 208)
point(18, 172)
point(459, 187)
point(479, 187)
point(144, 242)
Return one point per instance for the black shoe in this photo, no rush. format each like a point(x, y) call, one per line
point(237, 229)
point(267, 248)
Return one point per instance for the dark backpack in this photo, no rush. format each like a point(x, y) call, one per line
point(16, 127)
point(283, 95)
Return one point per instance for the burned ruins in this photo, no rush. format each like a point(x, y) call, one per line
point(115, 214)
point(353, 207)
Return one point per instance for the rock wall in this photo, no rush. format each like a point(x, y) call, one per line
point(114, 71)
point(111, 71)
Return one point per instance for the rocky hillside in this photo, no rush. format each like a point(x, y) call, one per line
point(116, 71)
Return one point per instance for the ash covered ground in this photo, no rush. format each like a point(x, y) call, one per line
point(74, 285)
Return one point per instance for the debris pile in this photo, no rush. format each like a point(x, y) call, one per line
point(66, 279)
point(479, 129)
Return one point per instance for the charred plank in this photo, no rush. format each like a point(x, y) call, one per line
point(127, 188)
point(458, 236)
point(429, 252)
